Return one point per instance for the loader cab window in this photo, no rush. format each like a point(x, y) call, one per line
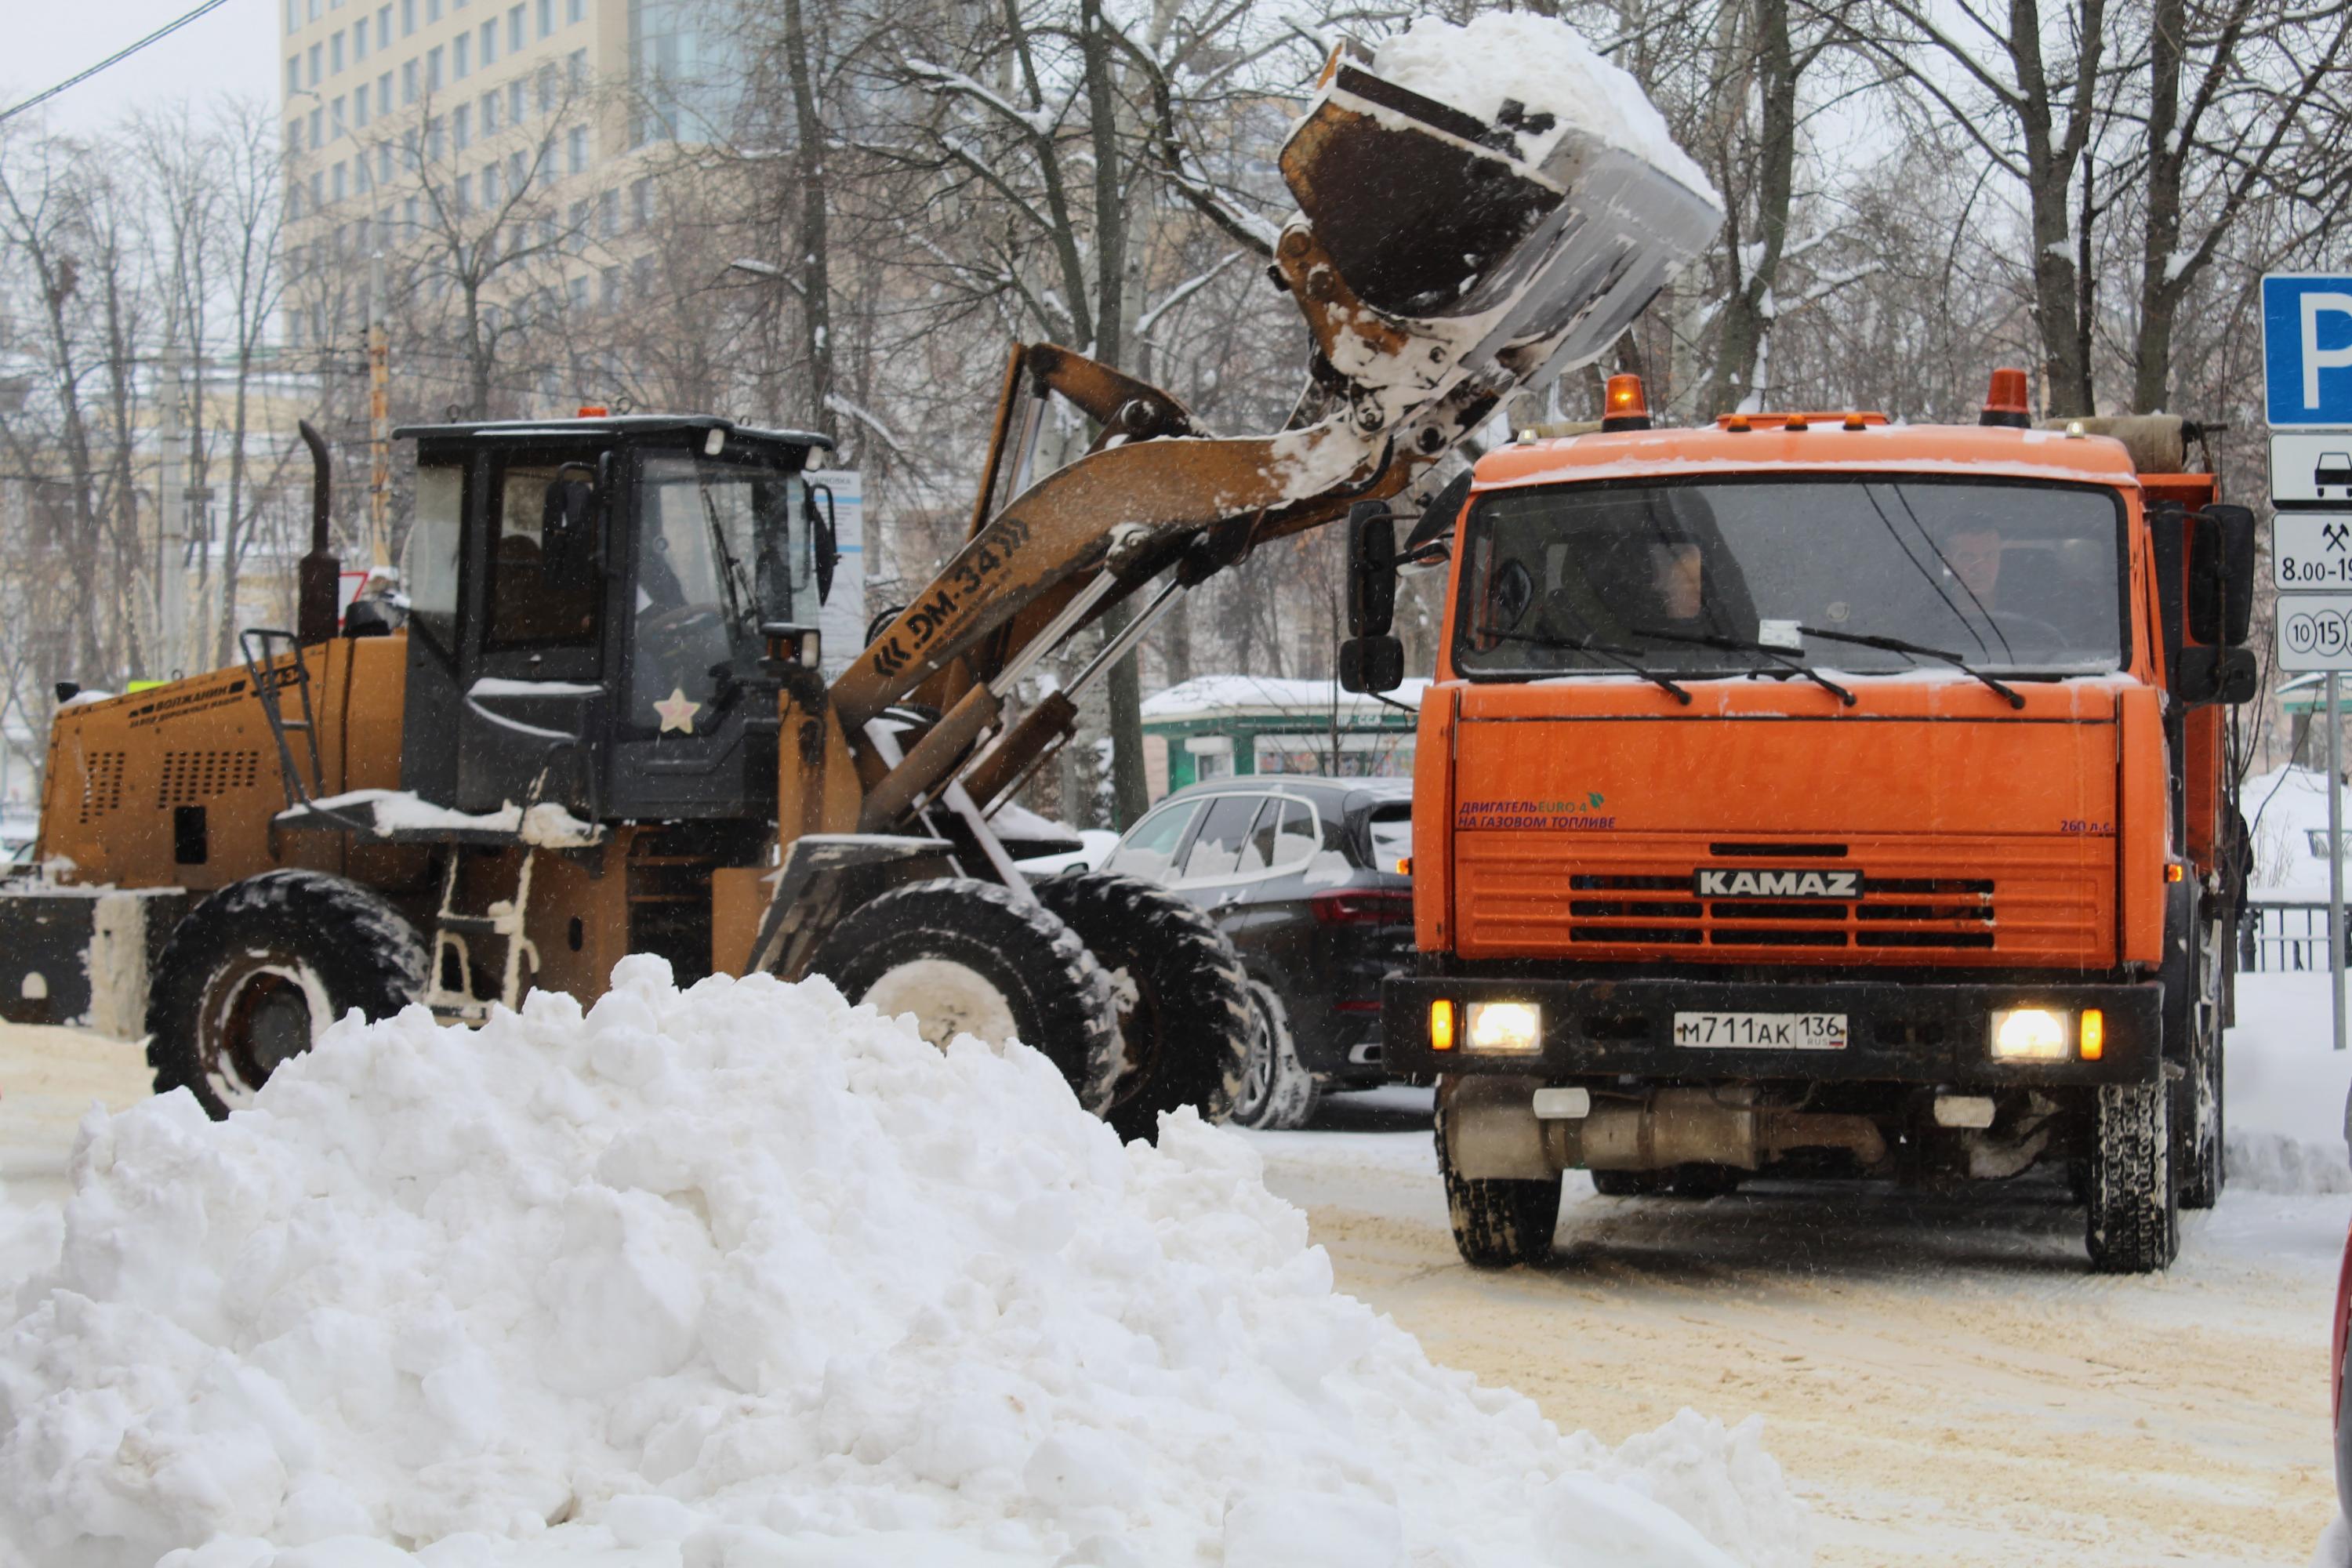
point(434, 537)
point(545, 585)
point(722, 546)
point(2023, 577)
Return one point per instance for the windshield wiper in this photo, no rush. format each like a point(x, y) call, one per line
point(1742, 645)
point(1901, 645)
point(731, 571)
point(1628, 657)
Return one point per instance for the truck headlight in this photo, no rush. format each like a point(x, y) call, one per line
point(1505, 1027)
point(2031, 1035)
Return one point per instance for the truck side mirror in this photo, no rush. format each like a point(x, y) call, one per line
point(2221, 575)
point(1372, 571)
point(567, 529)
point(1372, 664)
point(825, 539)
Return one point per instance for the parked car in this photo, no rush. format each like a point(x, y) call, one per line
point(1306, 877)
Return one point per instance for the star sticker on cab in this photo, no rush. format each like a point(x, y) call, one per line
point(678, 710)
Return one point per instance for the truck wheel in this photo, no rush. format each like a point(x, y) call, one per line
point(968, 957)
point(2199, 1142)
point(1278, 1094)
point(1498, 1222)
point(1184, 1019)
point(255, 972)
point(2134, 1211)
point(2199, 1134)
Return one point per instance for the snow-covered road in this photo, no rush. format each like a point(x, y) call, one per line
point(1940, 1376)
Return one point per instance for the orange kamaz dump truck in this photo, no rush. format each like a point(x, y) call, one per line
point(1811, 795)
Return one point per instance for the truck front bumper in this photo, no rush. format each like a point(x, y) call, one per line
point(1896, 1031)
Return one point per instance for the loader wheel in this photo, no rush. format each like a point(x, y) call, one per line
point(967, 957)
point(1184, 1020)
point(2134, 1223)
point(1277, 1092)
point(1498, 1222)
point(257, 972)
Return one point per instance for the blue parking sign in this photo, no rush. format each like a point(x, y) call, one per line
point(2308, 348)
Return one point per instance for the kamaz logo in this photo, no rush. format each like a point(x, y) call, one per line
point(1779, 884)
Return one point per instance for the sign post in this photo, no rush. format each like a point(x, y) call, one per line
point(2307, 401)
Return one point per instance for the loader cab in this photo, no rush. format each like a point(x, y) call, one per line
point(586, 599)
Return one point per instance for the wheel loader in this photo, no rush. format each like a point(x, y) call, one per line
point(598, 726)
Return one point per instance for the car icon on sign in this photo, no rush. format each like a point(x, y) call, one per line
point(2334, 468)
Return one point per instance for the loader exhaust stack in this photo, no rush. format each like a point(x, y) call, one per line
point(319, 580)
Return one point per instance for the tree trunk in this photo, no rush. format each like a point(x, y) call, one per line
point(2160, 296)
point(1747, 314)
point(815, 262)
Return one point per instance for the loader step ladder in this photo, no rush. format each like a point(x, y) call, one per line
point(453, 926)
point(263, 655)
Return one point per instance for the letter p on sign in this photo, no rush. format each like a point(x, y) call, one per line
point(2308, 348)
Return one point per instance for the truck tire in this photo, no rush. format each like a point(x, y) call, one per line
point(1498, 1222)
point(257, 971)
point(2134, 1213)
point(2199, 1137)
point(1277, 1093)
point(1184, 1019)
point(971, 957)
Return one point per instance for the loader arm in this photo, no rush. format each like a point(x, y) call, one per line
point(1438, 273)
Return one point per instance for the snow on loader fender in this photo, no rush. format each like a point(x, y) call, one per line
point(598, 727)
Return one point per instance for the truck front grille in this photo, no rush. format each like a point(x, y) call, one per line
point(1528, 894)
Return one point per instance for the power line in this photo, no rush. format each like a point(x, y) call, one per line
point(165, 31)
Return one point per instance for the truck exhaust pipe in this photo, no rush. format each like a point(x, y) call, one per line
point(319, 580)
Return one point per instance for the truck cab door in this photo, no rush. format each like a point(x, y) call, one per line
point(530, 680)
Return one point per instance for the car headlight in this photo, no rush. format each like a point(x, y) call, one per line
point(2031, 1034)
point(1505, 1027)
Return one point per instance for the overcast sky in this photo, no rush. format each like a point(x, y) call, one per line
point(234, 49)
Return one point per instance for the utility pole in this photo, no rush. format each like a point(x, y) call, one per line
point(172, 529)
point(379, 422)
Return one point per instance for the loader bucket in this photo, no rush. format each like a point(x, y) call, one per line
point(1430, 213)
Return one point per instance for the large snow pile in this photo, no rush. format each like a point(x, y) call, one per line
point(718, 1278)
point(1549, 69)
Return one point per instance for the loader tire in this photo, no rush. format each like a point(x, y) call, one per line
point(2134, 1213)
point(1498, 1222)
point(1184, 1019)
point(971, 957)
point(1278, 1094)
point(257, 972)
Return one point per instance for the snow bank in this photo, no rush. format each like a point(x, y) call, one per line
point(719, 1279)
point(1547, 68)
point(2286, 812)
point(2285, 1100)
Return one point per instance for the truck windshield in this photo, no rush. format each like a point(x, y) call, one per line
point(722, 546)
point(2022, 578)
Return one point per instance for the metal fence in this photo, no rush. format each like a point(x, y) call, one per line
point(2276, 938)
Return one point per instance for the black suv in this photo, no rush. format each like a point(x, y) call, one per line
point(1306, 875)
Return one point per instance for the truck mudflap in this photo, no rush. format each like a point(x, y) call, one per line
point(1885, 1030)
point(83, 955)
